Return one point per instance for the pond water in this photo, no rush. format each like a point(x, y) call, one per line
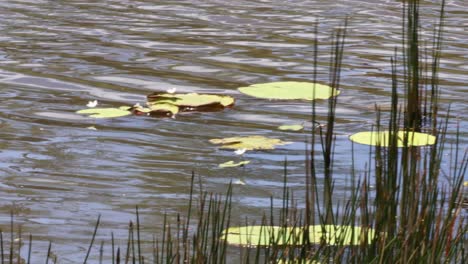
point(59, 170)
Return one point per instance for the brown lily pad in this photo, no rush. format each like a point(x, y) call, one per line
point(189, 102)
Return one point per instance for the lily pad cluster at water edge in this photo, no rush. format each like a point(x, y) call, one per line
point(317, 234)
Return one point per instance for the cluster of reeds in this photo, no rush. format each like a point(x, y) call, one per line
point(411, 214)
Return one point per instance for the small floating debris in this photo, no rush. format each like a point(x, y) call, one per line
point(240, 151)
point(171, 91)
point(92, 103)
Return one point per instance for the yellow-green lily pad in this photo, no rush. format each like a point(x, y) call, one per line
point(291, 127)
point(275, 235)
point(231, 164)
point(106, 112)
point(192, 101)
point(249, 142)
point(382, 138)
point(290, 91)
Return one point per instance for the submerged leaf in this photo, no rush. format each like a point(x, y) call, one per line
point(106, 112)
point(276, 235)
point(192, 101)
point(248, 143)
point(231, 163)
point(291, 127)
point(382, 138)
point(290, 90)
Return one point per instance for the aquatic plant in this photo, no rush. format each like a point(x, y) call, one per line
point(399, 208)
point(403, 138)
point(290, 91)
point(291, 127)
point(264, 235)
point(157, 110)
point(106, 112)
point(231, 163)
point(192, 101)
point(164, 104)
point(248, 142)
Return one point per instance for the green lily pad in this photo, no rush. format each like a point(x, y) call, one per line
point(268, 235)
point(290, 91)
point(231, 164)
point(382, 138)
point(192, 101)
point(249, 142)
point(291, 127)
point(106, 112)
point(159, 110)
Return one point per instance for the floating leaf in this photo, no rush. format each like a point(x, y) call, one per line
point(106, 112)
point(291, 127)
point(159, 110)
point(382, 138)
point(231, 163)
point(290, 90)
point(275, 235)
point(192, 101)
point(248, 143)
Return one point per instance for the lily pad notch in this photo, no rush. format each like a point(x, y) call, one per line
point(290, 91)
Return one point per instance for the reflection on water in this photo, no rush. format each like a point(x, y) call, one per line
point(59, 175)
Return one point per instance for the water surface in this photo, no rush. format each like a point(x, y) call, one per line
point(57, 174)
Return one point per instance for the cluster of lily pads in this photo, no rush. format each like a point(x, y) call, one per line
point(170, 104)
point(284, 236)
